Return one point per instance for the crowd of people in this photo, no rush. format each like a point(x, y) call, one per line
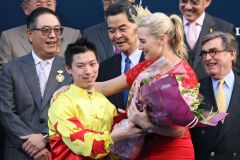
point(43, 59)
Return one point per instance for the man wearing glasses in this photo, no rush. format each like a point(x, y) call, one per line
point(27, 85)
point(14, 42)
point(197, 23)
point(221, 90)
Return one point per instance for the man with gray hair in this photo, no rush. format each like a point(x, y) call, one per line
point(221, 91)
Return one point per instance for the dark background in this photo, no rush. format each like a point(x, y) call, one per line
point(84, 13)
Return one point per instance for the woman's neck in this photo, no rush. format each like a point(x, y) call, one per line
point(171, 56)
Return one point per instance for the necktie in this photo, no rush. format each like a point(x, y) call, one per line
point(192, 34)
point(42, 76)
point(221, 97)
point(125, 93)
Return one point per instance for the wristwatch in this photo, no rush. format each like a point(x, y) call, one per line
point(47, 142)
point(150, 130)
point(46, 138)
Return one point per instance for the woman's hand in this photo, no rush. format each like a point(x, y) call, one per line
point(142, 120)
point(124, 130)
point(139, 118)
point(57, 92)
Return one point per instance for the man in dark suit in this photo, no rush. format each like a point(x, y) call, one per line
point(221, 91)
point(26, 87)
point(194, 15)
point(98, 34)
point(122, 32)
point(14, 42)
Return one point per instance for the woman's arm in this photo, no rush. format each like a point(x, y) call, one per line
point(112, 86)
point(107, 88)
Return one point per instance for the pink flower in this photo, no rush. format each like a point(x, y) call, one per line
point(188, 99)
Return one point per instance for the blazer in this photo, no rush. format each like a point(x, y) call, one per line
point(98, 34)
point(14, 42)
point(222, 141)
point(22, 110)
point(209, 23)
point(109, 69)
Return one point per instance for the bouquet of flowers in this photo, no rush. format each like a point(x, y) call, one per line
point(171, 96)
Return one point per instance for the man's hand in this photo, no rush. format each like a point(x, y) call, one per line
point(44, 154)
point(33, 144)
point(56, 93)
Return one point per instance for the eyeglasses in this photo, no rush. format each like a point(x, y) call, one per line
point(193, 2)
point(47, 30)
point(211, 52)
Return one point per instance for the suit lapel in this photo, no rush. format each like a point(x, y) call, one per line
point(117, 65)
point(142, 57)
point(206, 89)
point(52, 82)
point(24, 40)
point(234, 102)
point(30, 75)
point(208, 24)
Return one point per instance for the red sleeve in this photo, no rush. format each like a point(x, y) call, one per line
point(133, 73)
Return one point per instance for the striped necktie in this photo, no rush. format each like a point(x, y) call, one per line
point(42, 76)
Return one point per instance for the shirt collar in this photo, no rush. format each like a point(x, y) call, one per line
point(199, 20)
point(82, 91)
point(228, 79)
point(37, 60)
point(134, 57)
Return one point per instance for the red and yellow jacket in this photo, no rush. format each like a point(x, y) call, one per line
point(79, 125)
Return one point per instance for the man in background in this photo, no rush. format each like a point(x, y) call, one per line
point(122, 32)
point(221, 92)
point(197, 23)
point(14, 42)
point(98, 34)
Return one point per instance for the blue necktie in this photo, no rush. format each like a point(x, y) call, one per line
point(125, 93)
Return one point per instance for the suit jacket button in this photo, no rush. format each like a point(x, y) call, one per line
point(234, 155)
point(41, 120)
point(212, 154)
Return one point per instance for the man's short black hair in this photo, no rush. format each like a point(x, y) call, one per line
point(82, 45)
point(121, 6)
point(32, 18)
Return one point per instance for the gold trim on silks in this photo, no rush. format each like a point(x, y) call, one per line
point(60, 77)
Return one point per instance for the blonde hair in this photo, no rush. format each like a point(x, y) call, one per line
point(159, 24)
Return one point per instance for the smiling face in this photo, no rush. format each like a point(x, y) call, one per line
point(45, 46)
point(149, 44)
point(84, 69)
point(122, 33)
point(219, 65)
point(192, 9)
